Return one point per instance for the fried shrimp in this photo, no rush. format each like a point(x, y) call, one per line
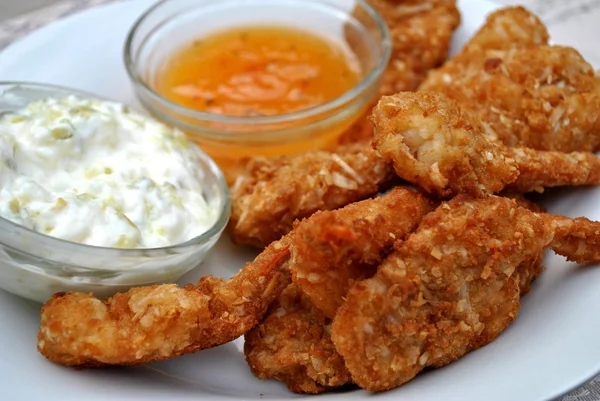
point(293, 345)
point(576, 239)
point(163, 321)
point(421, 33)
point(505, 29)
point(333, 249)
point(525, 92)
point(530, 269)
point(329, 251)
point(452, 287)
point(433, 143)
point(275, 192)
point(540, 169)
point(543, 98)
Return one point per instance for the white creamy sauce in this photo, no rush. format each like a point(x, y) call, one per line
point(96, 173)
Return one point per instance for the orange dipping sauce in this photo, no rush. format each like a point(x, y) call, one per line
point(258, 71)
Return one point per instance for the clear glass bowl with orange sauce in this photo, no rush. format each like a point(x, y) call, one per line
point(309, 95)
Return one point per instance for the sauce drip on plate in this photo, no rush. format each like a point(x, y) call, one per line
point(258, 71)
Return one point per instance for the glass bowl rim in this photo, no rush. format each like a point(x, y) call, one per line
point(203, 238)
point(346, 97)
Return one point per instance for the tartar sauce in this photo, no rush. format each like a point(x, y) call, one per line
point(97, 173)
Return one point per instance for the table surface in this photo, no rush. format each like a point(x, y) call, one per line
point(570, 22)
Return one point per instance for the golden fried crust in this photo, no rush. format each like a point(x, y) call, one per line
point(451, 287)
point(545, 97)
point(542, 169)
point(525, 92)
point(524, 202)
point(163, 321)
point(433, 144)
point(576, 239)
point(530, 269)
point(333, 249)
point(505, 29)
point(508, 28)
point(361, 130)
point(421, 33)
point(293, 345)
point(277, 191)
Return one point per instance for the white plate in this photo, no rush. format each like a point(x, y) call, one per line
point(551, 348)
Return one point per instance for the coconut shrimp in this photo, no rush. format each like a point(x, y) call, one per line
point(453, 286)
point(293, 345)
point(333, 249)
point(421, 34)
point(526, 92)
point(329, 252)
point(433, 143)
point(160, 322)
point(275, 192)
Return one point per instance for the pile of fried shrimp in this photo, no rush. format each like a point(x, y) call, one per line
point(405, 248)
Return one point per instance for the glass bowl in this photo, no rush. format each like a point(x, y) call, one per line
point(35, 266)
point(171, 24)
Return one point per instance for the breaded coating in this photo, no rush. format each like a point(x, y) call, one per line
point(361, 130)
point(453, 286)
point(433, 143)
point(333, 249)
point(161, 322)
point(505, 29)
point(531, 269)
point(293, 342)
point(539, 169)
point(525, 92)
point(293, 345)
point(545, 97)
point(450, 288)
point(524, 202)
point(576, 239)
point(275, 192)
point(421, 33)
